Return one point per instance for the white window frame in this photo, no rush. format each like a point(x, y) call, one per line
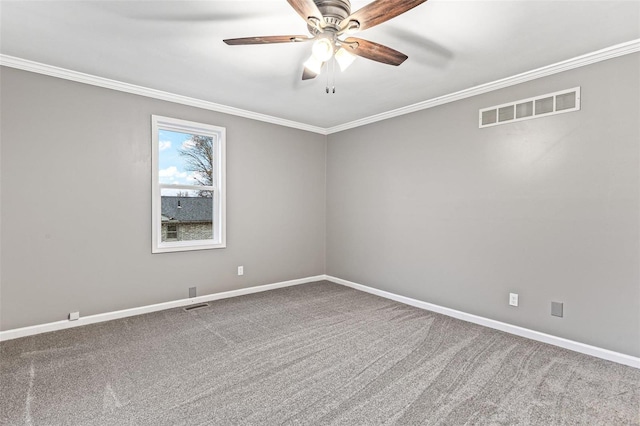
point(219, 185)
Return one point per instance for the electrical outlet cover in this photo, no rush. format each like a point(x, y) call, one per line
point(513, 299)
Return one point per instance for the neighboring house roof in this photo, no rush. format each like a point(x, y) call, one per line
point(192, 209)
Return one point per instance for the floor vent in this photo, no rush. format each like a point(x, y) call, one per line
point(194, 307)
point(526, 109)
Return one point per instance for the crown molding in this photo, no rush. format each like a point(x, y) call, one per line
point(577, 62)
point(615, 51)
point(36, 67)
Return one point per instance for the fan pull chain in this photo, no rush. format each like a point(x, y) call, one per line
point(333, 74)
point(328, 72)
point(331, 70)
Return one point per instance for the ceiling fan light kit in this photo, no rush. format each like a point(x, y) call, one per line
point(323, 49)
point(314, 66)
point(344, 58)
point(330, 24)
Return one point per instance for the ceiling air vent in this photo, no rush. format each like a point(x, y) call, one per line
point(525, 109)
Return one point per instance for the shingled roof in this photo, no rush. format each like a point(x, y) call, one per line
point(186, 209)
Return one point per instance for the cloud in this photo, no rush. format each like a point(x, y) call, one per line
point(172, 172)
point(164, 145)
point(188, 144)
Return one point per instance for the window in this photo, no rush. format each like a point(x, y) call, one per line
point(188, 207)
point(172, 232)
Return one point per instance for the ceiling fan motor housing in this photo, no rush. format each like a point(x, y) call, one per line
point(334, 12)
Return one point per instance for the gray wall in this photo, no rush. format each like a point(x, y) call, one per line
point(76, 203)
point(430, 206)
point(424, 205)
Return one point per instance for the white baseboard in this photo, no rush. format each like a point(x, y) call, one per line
point(108, 316)
point(512, 329)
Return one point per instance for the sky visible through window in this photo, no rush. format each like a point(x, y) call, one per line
point(171, 165)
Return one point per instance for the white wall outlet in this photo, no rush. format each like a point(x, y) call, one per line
point(513, 299)
point(73, 316)
point(240, 270)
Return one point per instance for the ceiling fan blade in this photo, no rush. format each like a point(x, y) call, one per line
point(374, 51)
point(307, 9)
point(267, 40)
point(379, 11)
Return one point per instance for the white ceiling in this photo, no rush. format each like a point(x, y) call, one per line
point(176, 46)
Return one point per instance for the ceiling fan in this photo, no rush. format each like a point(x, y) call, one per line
point(330, 24)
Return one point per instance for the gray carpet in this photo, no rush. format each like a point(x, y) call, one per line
point(312, 354)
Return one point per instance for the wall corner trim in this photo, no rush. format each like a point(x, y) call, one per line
point(108, 316)
point(583, 348)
